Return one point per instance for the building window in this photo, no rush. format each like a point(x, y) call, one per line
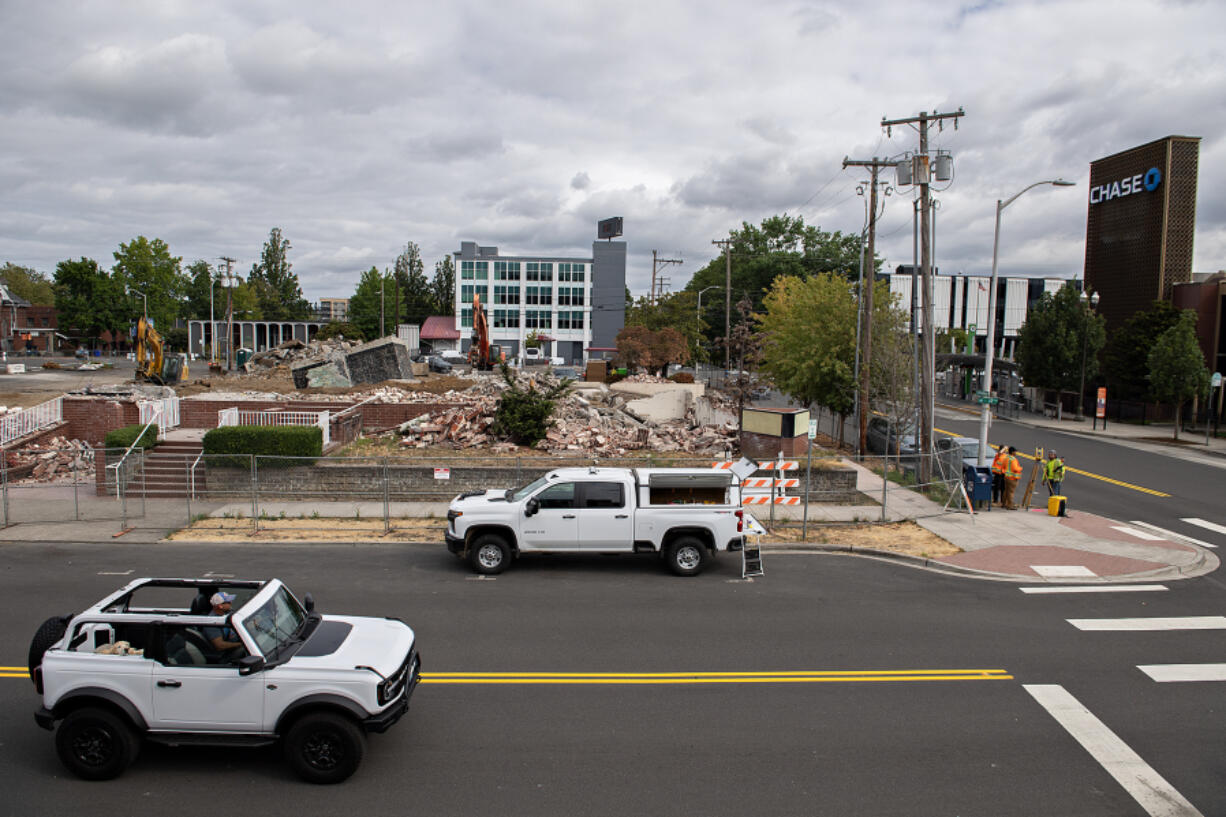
point(506, 294)
point(538, 319)
point(506, 318)
point(506, 270)
point(569, 319)
point(571, 272)
point(475, 270)
point(570, 296)
point(466, 293)
point(466, 318)
point(539, 271)
point(541, 296)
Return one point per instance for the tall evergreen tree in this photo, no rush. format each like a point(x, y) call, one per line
point(415, 293)
point(277, 290)
point(442, 287)
point(364, 304)
point(1050, 343)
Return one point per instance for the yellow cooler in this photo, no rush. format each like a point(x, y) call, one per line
point(1055, 506)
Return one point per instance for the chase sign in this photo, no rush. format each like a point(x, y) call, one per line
point(1142, 182)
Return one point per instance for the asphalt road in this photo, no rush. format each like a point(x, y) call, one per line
point(856, 746)
point(1192, 489)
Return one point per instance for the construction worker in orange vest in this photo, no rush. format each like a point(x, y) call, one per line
point(1013, 472)
point(998, 473)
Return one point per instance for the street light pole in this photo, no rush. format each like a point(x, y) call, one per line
point(1092, 302)
point(985, 414)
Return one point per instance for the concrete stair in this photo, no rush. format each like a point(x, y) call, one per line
point(166, 470)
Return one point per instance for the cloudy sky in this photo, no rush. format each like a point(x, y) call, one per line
point(358, 126)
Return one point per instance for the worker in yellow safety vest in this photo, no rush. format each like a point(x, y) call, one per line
point(998, 473)
point(1013, 472)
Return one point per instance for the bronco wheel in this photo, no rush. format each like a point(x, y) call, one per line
point(325, 748)
point(686, 556)
point(489, 554)
point(96, 744)
point(49, 632)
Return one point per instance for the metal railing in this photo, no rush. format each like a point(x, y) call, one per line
point(165, 411)
point(27, 421)
point(247, 417)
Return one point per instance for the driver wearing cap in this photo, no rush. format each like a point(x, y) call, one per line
point(222, 638)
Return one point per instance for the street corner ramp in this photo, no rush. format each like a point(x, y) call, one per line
point(1062, 564)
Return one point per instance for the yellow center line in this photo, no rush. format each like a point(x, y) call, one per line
point(1098, 477)
point(777, 677)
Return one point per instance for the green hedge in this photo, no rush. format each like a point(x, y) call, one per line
point(124, 437)
point(268, 442)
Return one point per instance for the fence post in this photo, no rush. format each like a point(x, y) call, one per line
point(76, 503)
point(885, 478)
point(144, 486)
point(387, 516)
point(187, 480)
point(4, 484)
point(122, 494)
point(255, 489)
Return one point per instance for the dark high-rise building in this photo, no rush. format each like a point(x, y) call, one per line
point(1140, 225)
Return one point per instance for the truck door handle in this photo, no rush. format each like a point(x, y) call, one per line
point(568, 516)
point(622, 516)
point(171, 684)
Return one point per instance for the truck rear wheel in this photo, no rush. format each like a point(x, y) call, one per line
point(489, 554)
point(686, 556)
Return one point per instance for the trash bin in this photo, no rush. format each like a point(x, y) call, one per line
point(242, 356)
point(978, 481)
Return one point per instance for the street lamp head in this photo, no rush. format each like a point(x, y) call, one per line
point(1063, 183)
point(1094, 300)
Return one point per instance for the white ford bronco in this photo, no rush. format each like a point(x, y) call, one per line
point(152, 662)
point(683, 514)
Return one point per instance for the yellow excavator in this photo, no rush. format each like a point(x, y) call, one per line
point(151, 363)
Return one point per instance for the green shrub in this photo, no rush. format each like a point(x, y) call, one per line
point(271, 443)
point(346, 330)
point(124, 437)
point(522, 415)
point(682, 377)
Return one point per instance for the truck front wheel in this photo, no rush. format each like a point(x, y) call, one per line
point(489, 554)
point(686, 556)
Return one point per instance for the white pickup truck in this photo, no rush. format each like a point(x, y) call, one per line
point(684, 514)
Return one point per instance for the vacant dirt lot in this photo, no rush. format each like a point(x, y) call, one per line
point(900, 537)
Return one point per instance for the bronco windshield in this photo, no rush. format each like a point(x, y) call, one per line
point(276, 623)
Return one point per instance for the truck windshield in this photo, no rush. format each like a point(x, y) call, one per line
point(529, 489)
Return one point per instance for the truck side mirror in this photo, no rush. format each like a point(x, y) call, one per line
point(250, 664)
point(531, 507)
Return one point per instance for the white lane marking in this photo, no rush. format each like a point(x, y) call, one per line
point(1167, 673)
point(1063, 571)
point(1158, 797)
point(1145, 624)
point(1172, 535)
point(1213, 526)
point(1140, 534)
point(1094, 588)
point(114, 572)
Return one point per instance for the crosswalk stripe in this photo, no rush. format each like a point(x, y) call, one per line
point(1213, 526)
point(1094, 588)
point(1064, 571)
point(1140, 534)
point(1151, 624)
point(1138, 778)
point(1168, 673)
point(1172, 535)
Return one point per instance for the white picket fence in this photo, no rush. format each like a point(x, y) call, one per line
point(245, 417)
point(27, 421)
point(168, 418)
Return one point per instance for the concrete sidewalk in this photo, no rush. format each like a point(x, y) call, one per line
point(1012, 545)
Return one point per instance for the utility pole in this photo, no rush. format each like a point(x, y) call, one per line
point(921, 176)
point(662, 262)
point(726, 243)
point(229, 312)
point(866, 292)
point(382, 281)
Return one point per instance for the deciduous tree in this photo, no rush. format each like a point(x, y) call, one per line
point(149, 267)
point(1177, 370)
point(1126, 355)
point(89, 300)
point(364, 304)
point(1050, 342)
point(28, 283)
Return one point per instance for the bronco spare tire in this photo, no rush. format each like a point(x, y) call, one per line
point(49, 632)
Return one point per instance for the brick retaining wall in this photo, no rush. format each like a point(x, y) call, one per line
point(346, 482)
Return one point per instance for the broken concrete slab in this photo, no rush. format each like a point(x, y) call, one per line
point(379, 360)
point(327, 375)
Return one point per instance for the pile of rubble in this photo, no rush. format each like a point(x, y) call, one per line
point(56, 459)
point(592, 421)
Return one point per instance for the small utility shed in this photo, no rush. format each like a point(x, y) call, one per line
point(768, 432)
